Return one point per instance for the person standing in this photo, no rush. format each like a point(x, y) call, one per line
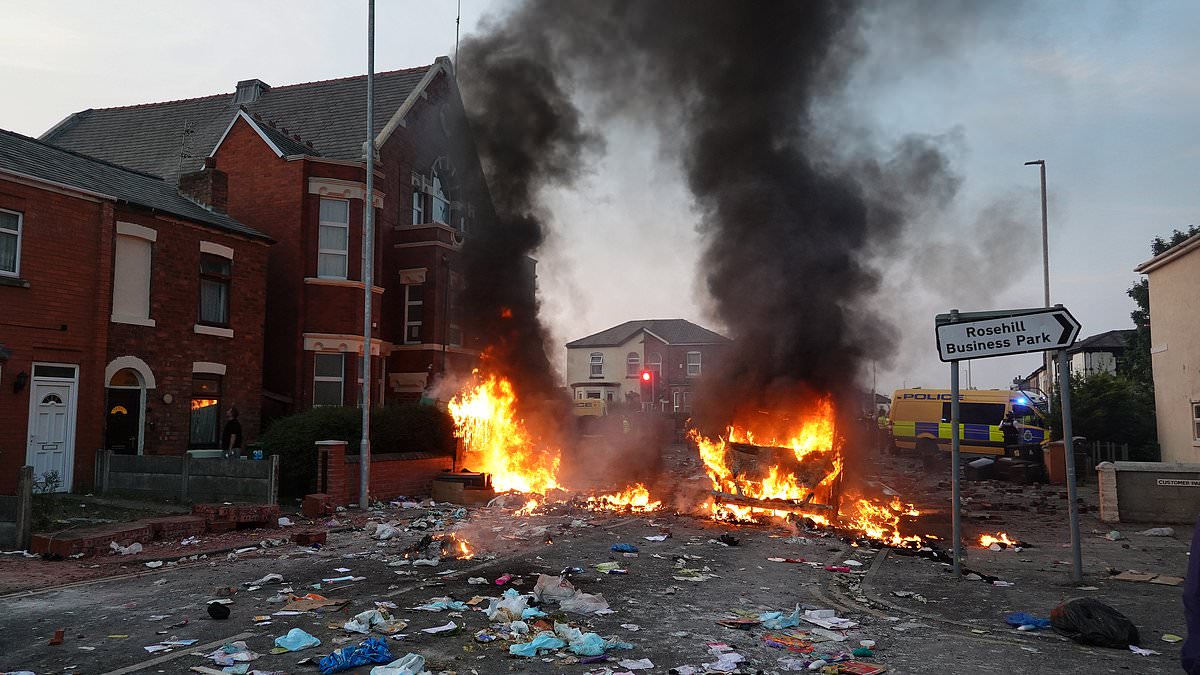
point(231, 435)
point(1012, 435)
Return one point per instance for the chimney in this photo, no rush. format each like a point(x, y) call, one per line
point(208, 187)
point(249, 91)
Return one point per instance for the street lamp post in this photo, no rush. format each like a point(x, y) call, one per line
point(1046, 359)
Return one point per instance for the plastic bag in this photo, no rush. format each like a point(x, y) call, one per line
point(509, 607)
point(550, 588)
point(1018, 619)
point(544, 640)
point(584, 603)
point(1092, 622)
point(779, 621)
point(371, 650)
point(296, 639)
point(409, 664)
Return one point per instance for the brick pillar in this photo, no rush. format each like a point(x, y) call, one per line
point(331, 470)
point(1107, 478)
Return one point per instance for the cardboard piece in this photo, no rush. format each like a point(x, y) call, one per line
point(311, 602)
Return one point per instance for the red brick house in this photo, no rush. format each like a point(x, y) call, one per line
point(294, 160)
point(608, 365)
point(133, 315)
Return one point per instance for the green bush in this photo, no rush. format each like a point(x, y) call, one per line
point(407, 428)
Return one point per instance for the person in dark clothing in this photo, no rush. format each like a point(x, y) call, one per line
point(231, 435)
point(1190, 656)
point(1012, 435)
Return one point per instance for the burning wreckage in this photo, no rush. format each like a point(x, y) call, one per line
point(774, 468)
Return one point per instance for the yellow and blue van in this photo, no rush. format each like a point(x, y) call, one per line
point(920, 419)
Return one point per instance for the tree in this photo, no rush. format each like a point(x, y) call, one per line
point(1111, 407)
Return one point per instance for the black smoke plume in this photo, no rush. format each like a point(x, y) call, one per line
point(742, 94)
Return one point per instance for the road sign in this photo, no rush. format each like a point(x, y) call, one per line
point(982, 335)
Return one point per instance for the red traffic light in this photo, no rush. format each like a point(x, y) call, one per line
point(645, 376)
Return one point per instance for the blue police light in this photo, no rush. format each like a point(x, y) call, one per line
point(1022, 400)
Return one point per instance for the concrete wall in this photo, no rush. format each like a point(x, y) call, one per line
point(189, 479)
point(1149, 492)
point(1175, 352)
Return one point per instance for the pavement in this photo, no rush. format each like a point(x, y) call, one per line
point(958, 628)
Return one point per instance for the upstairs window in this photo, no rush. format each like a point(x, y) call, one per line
point(215, 274)
point(439, 199)
point(596, 365)
point(693, 364)
point(418, 207)
point(633, 365)
point(131, 279)
point(654, 363)
point(333, 239)
point(10, 243)
point(1196, 421)
point(414, 309)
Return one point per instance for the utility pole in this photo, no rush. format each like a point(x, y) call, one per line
point(368, 264)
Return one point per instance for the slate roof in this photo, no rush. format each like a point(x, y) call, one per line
point(150, 137)
point(673, 331)
point(31, 157)
point(1107, 341)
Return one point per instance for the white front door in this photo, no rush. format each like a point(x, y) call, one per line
point(51, 448)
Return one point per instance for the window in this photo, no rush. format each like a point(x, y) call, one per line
point(682, 401)
point(206, 411)
point(328, 379)
point(439, 199)
point(414, 306)
point(693, 364)
point(596, 363)
point(333, 239)
point(1196, 421)
point(594, 395)
point(418, 207)
point(976, 413)
point(456, 335)
point(633, 364)
point(215, 273)
point(1027, 415)
point(654, 364)
point(10, 243)
point(131, 279)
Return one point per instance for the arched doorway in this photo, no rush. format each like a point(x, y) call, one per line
point(125, 395)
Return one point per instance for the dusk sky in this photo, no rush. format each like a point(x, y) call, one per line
point(1105, 92)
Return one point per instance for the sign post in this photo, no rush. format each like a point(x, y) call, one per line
point(978, 335)
point(955, 448)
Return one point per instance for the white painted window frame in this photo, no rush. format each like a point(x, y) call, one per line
point(596, 366)
point(344, 253)
point(16, 272)
point(341, 380)
point(698, 364)
point(633, 364)
point(408, 323)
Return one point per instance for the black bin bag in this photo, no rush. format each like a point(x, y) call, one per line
point(1091, 622)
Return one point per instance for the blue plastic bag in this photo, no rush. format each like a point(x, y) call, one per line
point(296, 639)
point(1018, 619)
point(624, 548)
point(371, 650)
point(777, 620)
point(544, 640)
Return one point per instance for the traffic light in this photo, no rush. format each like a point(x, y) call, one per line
point(647, 381)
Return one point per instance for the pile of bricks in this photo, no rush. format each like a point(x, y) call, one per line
point(205, 518)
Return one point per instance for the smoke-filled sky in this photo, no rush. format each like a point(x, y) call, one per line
point(1106, 96)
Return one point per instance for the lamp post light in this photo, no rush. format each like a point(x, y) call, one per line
point(1046, 361)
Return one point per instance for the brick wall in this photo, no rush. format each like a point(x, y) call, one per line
point(267, 193)
point(171, 346)
point(60, 317)
point(392, 475)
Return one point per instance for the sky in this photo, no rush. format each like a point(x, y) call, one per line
point(1104, 92)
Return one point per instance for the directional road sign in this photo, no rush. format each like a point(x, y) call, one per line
point(980, 335)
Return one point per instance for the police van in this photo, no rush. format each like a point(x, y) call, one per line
point(920, 420)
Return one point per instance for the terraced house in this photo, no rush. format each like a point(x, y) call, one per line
point(289, 161)
point(132, 316)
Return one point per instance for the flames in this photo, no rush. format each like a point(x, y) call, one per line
point(496, 441)
point(881, 522)
point(813, 443)
point(635, 499)
point(986, 540)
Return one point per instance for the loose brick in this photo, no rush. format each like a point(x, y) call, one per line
point(310, 537)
